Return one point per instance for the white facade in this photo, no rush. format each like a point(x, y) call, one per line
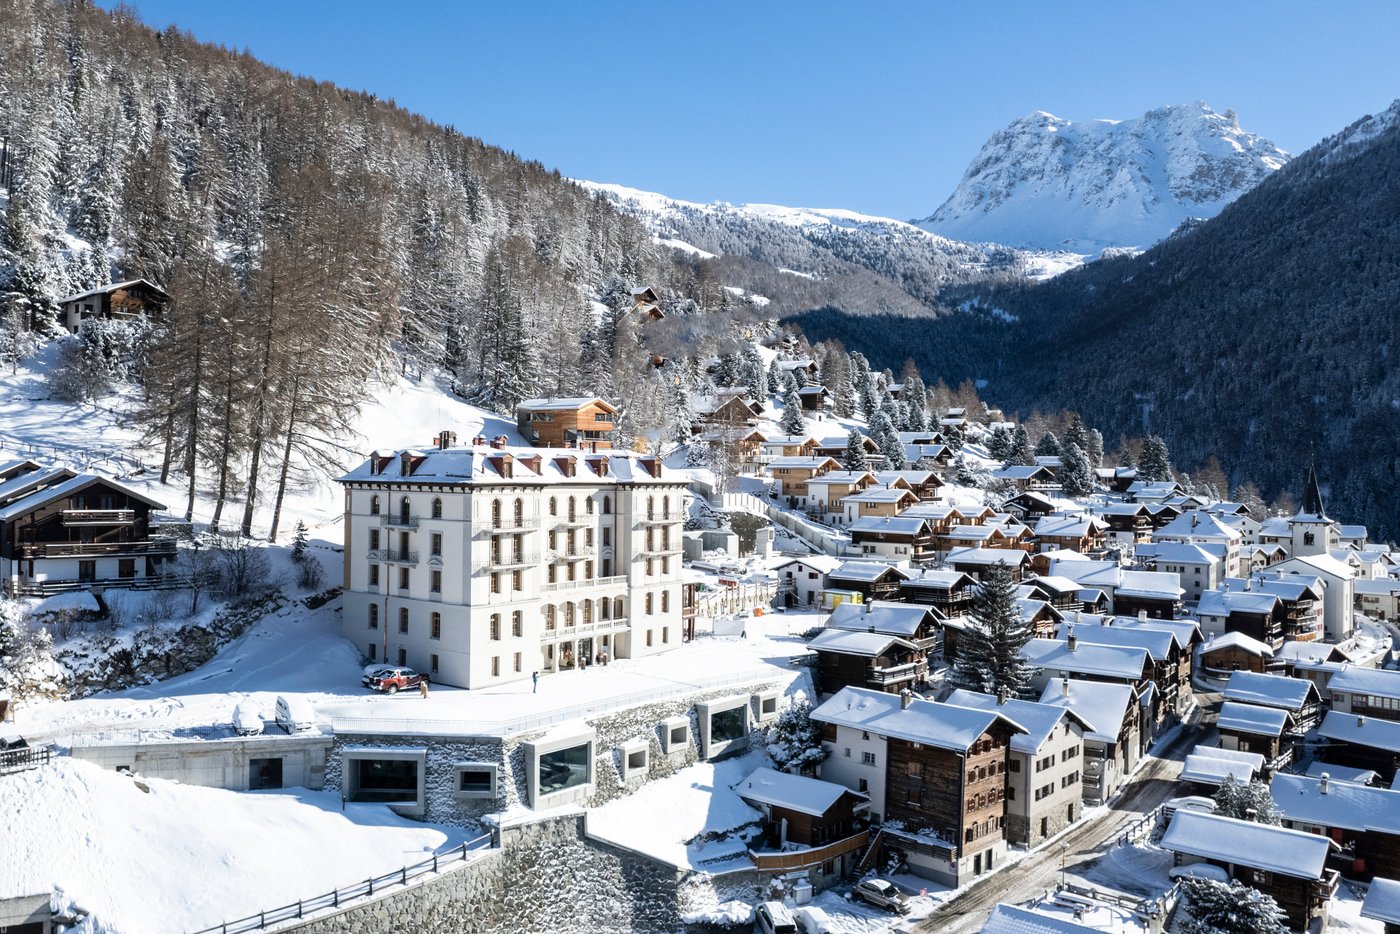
point(482, 565)
point(1339, 600)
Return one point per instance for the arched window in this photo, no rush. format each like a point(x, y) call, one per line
point(404, 510)
point(651, 507)
point(587, 612)
point(553, 506)
point(572, 513)
point(617, 608)
point(519, 511)
point(605, 608)
point(650, 603)
point(496, 513)
point(665, 507)
point(549, 617)
point(374, 505)
point(607, 505)
point(665, 601)
point(588, 505)
point(437, 507)
point(568, 614)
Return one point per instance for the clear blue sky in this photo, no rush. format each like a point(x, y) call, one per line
point(873, 106)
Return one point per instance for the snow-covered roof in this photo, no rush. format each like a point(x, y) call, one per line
point(794, 792)
point(1101, 705)
point(1251, 718)
point(1322, 564)
point(1275, 527)
point(880, 616)
point(823, 564)
point(1187, 631)
point(801, 463)
point(21, 484)
point(1238, 640)
point(1020, 472)
point(836, 477)
point(1269, 690)
point(880, 494)
point(1341, 773)
point(104, 289)
point(1224, 603)
point(932, 511)
point(567, 404)
point(946, 726)
point(1345, 804)
point(68, 487)
point(1360, 730)
point(1067, 526)
point(972, 533)
point(868, 571)
point(1010, 919)
point(1206, 769)
point(1054, 584)
point(1287, 586)
point(894, 525)
point(1311, 652)
point(1382, 901)
point(1086, 658)
point(1197, 524)
point(1381, 587)
point(856, 707)
point(932, 579)
point(1039, 720)
point(465, 466)
point(1376, 682)
point(856, 642)
point(1011, 557)
point(1149, 584)
point(1177, 553)
point(911, 477)
point(1158, 643)
point(1246, 843)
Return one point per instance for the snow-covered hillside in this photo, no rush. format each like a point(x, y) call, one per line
point(1053, 184)
point(880, 244)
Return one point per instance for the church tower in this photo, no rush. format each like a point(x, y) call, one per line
point(1313, 532)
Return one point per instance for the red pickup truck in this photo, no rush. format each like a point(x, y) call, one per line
point(390, 679)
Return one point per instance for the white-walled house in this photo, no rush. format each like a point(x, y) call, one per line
point(856, 754)
point(1339, 600)
point(481, 565)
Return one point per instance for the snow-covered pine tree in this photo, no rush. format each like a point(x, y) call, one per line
point(914, 398)
point(795, 740)
point(1076, 476)
point(1229, 908)
point(1074, 434)
point(1155, 465)
point(883, 434)
point(1247, 801)
point(299, 542)
point(754, 375)
point(793, 421)
point(853, 458)
point(989, 648)
point(1048, 445)
point(1093, 440)
point(1021, 453)
point(999, 444)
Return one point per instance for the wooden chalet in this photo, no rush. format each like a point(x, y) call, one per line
point(875, 660)
point(792, 474)
point(1361, 742)
point(123, 301)
point(725, 408)
point(646, 302)
point(1235, 651)
point(1082, 533)
point(61, 530)
point(1029, 507)
point(582, 422)
point(874, 580)
point(1127, 523)
point(814, 398)
point(801, 812)
point(923, 483)
point(1114, 739)
point(897, 538)
point(949, 592)
point(1250, 728)
point(1037, 477)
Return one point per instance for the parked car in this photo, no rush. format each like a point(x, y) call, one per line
point(391, 679)
point(295, 715)
point(881, 894)
point(774, 918)
point(247, 720)
point(812, 920)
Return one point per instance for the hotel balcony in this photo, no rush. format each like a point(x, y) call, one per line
point(596, 628)
point(398, 521)
point(563, 586)
point(564, 555)
point(393, 556)
point(508, 526)
point(512, 562)
point(80, 517)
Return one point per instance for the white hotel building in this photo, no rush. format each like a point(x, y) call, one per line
point(484, 564)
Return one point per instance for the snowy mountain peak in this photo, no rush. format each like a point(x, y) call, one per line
point(1046, 182)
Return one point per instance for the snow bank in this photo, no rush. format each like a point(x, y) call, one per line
point(160, 856)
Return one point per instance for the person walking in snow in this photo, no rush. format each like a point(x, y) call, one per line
point(536, 679)
point(423, 688)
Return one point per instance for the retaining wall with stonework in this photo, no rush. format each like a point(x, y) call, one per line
point(547, 877)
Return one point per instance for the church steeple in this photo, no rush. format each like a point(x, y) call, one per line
point(1312, 497)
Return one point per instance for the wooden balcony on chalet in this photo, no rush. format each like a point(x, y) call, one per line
point(153, 546)
point(896, 674)
point(91, 517)
point(806, 857)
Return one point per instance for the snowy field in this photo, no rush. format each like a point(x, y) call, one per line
point(161, 856)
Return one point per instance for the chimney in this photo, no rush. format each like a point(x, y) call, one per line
point(499, 442)
point(1072, 640)
point(1360, 720)
point(1251, 814)
point(478, 441)
point(1322, 785)
point(1064, 687)
point(906, 698)
point(446, 439)
point(1142, 616)
point(1003, 695)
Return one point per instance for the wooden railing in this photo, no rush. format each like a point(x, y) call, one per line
point(98, 516)
point(27, 757)
point(400, 877)
point(895, 673)
point(800, 859)
point(154, 546)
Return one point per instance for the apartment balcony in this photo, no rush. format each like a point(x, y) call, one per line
point(657, 520)
point(509, 526)
point(393, 556)
point(565, 555)
point(512, 562)
point(153, 546)
point(399, 521)
point(81, 517)
point(599, 627)
point(571, 522)
point(569, 586)
point(657, 551)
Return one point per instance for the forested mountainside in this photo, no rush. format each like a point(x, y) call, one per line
point(1266, 336)
point(310, 236)
point(805, 258)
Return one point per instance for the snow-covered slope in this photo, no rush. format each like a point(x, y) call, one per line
point(809, 240)
point(1049, 183)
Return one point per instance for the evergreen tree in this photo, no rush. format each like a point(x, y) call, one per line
point(1229, 908)
point(999, 444)
point(914, 398)
point(795, 740)
point(1247, 801)
point(793, 422)
point(1021, 453)
point(1075, 434)
point(1155, 465)
point(854, 456)
point(1093, 440)
point(989, 648)
point(883, 434)
point(299, 542)
point(865, 400)
point(1076, 477)
point(1247, 494)
point(1048, 446)
point(755, 376)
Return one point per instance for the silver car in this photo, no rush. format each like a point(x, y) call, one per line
point(881, 894)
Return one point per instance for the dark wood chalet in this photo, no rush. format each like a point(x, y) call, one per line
point(61, 530)
point(122, 301)
point(874, 660)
